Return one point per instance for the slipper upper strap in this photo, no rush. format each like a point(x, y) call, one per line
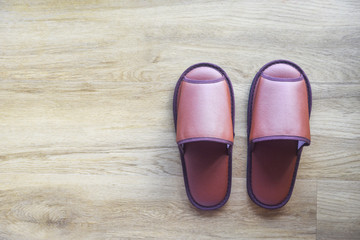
point(204, 111)
point(280, 110)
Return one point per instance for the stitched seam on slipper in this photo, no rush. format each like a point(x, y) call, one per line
point(195, 81)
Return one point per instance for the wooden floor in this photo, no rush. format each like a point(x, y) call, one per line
point(87, 138)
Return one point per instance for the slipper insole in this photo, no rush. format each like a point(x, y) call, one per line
point(273, 164)
point(207, 171)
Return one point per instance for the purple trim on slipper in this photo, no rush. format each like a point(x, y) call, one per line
point(282, 79)
point(227, 195)
point(249, 148)
point(203, 81)
point(209, 139)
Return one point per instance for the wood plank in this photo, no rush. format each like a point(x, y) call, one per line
point(119, 41)
point(80, 206)
point(338, 210)
point(67, 122)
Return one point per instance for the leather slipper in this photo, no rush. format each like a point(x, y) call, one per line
point(278, 128)
point(203, 108)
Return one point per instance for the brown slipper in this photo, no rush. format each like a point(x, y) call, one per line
point(278, 128)
point(204, 123)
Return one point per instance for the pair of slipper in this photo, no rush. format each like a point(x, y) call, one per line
point(278, 128)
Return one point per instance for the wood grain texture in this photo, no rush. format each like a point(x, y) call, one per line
point(338, 209)
point(113, 206)
point(87, 138)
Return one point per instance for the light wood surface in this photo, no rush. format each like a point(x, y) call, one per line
point(87, 138)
